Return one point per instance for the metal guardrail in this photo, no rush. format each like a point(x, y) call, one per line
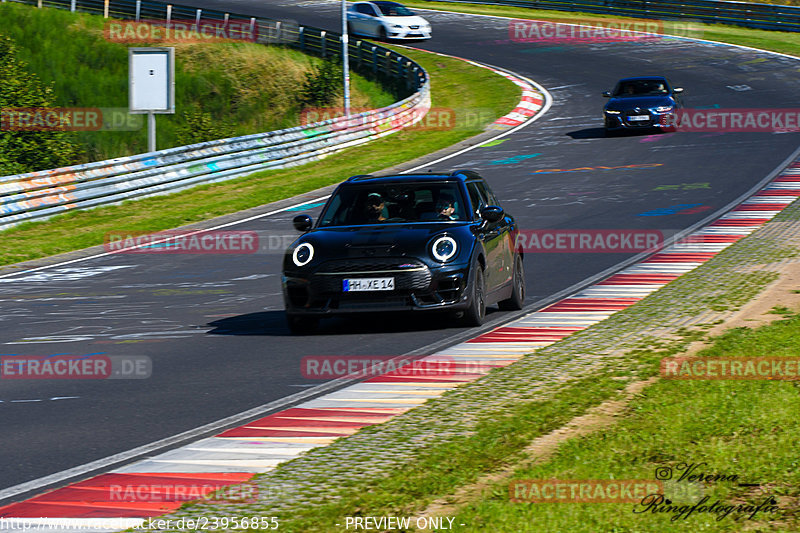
point(750, 15)
point(42, 194)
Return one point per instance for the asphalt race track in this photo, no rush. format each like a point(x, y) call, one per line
point(213, 325)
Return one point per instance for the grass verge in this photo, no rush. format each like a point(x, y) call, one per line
point(743, 430)
point(455, 84)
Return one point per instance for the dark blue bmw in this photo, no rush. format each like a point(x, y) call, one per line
point(422, 242)
point(647, 102)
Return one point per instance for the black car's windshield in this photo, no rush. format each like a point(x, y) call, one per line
point(641, 88)
point(393, 10)
point(388, 203)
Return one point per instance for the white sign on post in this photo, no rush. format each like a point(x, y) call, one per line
point(152, 85)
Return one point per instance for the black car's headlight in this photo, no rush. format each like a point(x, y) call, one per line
point(663, 109)
point(612, 112)
point(303, 254)
point(444, 248)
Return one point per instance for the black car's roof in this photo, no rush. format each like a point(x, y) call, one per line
point(642, 78)
point(459, 175)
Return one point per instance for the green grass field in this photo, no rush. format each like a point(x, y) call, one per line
point(241, 88)
point(743, 430)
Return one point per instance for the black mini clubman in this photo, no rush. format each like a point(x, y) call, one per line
point(421, 242)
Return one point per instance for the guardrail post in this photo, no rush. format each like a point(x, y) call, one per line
point(278, 31)
point(301, 37)
point(323, 42)
point(388, 64)
point(105, 9)
point(197, 19)
point(253, 28)
point(359, 59)
point(169, 14)
point(225, 20)
point(138, 9)
point(71, 5)
point(39, 4)
point(375, 59)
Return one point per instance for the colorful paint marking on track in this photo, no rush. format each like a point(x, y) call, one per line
point(235, 455)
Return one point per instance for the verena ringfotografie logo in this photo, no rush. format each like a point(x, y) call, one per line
point(582, 241)
point(69, 366)
point(181, 31)
point(598, 31)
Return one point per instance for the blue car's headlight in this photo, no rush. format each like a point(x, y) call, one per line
point(663, 108)
point(612, 112)
point(303, 254)
point(444, 248)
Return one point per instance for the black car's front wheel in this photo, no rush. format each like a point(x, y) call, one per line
point(517, 299)
point(476, 311)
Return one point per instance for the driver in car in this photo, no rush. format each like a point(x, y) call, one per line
point(373, 209)
point(446, 208)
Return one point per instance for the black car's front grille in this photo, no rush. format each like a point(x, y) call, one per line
point(409, 274)
point(367, 265)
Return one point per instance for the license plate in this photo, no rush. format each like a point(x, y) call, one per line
point(639, 118)
point(368, 284)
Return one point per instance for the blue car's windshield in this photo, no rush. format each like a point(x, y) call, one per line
point(388, 203)
point(393, 10)
point(641, 88)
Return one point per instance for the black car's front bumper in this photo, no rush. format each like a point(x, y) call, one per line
point(623, 120)
point(418, 287)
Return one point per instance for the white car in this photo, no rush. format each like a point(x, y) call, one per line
point(386, 20)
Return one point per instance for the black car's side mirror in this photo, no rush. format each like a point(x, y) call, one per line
point(607, 94)
point(677, 90)
point(492, 214)
point(302, 223)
